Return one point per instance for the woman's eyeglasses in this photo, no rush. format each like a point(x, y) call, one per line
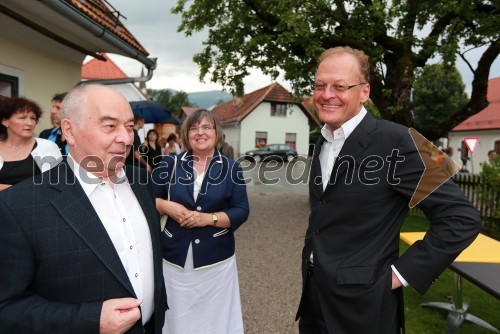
point(204, 128)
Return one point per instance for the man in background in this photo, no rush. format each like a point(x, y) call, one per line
point(491, 154)
point(54, 134)
point(135, 158)
point(226, 149)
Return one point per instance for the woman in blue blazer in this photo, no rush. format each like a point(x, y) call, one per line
point(204, 195)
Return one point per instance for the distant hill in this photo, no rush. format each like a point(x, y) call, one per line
point(208, 99)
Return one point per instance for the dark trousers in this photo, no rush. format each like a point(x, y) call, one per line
point(311, 317)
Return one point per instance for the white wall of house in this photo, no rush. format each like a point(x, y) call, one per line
point(487, 140)
point(43, 74)
point(260, 119)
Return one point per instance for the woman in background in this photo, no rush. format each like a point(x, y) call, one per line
point(170, 147)
point(206, 201)
point(21, 155)
point(151, 149)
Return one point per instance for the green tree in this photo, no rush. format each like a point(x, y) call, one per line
point(437, 92)
point(289, 35)
point(174, 101)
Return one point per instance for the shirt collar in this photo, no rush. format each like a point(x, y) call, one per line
point(347, 128)
point(89, 181)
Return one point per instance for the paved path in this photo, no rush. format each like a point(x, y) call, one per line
point(268, 248)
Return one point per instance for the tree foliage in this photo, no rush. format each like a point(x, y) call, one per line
point(174, 101)
point(289, 35)
point(437, 93)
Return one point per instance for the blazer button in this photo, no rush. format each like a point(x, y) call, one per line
point(316, 232)
point(198, 208)
point(322, 201)
point(197, 241)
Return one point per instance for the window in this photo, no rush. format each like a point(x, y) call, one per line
point(9, 85)
point(290, 139)
point(278, 109)
point(260, 139)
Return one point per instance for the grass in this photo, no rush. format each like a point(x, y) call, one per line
point(421, 320)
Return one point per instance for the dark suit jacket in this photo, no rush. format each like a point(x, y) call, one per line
point(58, 262)
point(45, 134)
point(223, 189)
point(355, 223)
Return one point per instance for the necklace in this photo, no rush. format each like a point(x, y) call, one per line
point(200, 163)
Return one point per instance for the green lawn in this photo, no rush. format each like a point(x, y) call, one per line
point(420, 320)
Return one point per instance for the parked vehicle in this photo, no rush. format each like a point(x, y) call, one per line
point(280, 152)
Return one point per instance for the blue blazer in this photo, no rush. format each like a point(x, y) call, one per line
point(223, 189)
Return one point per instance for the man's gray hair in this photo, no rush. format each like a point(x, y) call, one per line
point(73, 103)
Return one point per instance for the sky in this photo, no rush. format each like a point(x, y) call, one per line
point(152, 24)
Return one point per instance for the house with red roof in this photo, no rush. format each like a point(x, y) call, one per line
point(44, 44)
point(97, 69)
point(186, 111)
point(269, 115)
point(485, 126)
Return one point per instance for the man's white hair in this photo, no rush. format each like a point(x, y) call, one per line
point(74, 104)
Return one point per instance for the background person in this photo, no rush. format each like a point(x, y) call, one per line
point(151, 149)
point(208, 202)
point(21, 155)
point(178, 145)
point(80, 246)
point(170, 148)
point(351, 267)
point(134, 158)
point(226, 149)
point(55, 134)
point(491, 154)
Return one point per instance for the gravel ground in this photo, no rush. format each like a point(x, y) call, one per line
point(268, 248)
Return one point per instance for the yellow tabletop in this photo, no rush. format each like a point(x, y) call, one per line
point(483, 249)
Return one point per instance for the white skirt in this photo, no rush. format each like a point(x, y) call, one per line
point(203, 301)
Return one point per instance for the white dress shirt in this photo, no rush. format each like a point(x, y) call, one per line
point(124, 221)
point(333, 144)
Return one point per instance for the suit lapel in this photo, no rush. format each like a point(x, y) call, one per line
point(355, 144)
point(75, 207)
point(316, 182)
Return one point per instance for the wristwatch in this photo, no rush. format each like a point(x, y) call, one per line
point(215, 219)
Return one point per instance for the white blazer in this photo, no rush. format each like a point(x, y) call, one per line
point(46, 154)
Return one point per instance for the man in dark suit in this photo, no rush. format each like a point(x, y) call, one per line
point(80, 243)
point(364, 174)
point(55, 134)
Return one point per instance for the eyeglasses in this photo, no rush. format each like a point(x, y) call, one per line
point(337, 88)
point(204, 128)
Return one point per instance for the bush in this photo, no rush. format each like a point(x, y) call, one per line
point(489, 188)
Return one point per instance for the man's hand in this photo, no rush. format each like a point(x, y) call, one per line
point(396, 283)
point(119, 315)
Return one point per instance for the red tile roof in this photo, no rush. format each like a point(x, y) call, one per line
point(186, 111)
point(99, 12)
point(236, 110)
point(98, 69)
point(489, 117)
